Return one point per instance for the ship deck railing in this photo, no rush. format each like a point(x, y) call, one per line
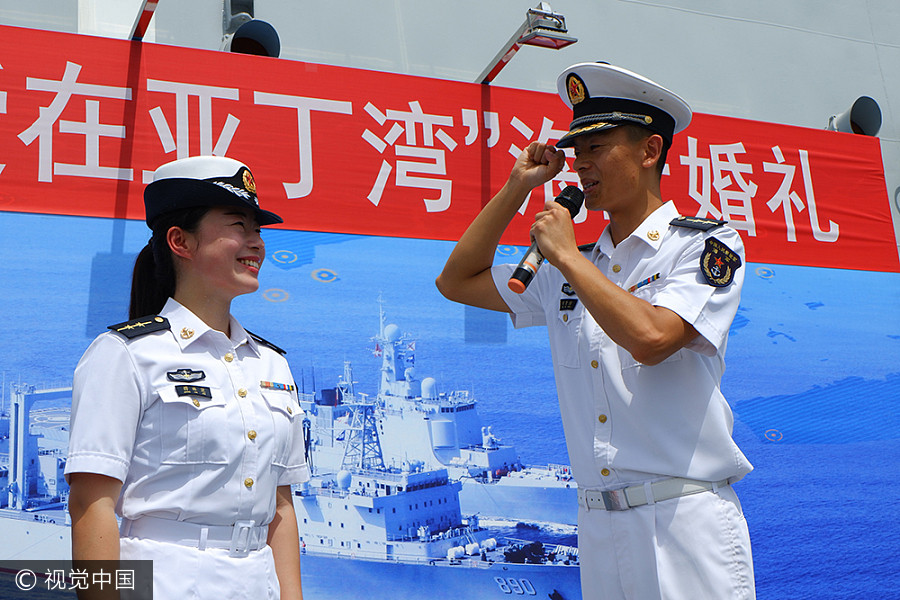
point(468, 561)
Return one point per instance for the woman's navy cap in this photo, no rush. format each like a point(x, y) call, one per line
point(603, 96)
point(203, 181)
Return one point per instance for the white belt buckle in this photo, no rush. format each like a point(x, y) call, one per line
point(615, 500)
point(241, 538)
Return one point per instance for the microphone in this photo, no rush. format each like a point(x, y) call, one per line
point(571, 198)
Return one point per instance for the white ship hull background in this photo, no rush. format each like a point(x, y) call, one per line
point(409, 489)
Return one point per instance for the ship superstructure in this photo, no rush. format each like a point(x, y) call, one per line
point(408, 518)
point(33, 492)
point(416, 422)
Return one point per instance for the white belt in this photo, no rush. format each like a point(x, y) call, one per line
point(647, 493)
point(239, 539)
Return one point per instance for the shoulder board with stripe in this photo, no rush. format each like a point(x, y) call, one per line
point(697, 223)
point(141, 326)
point(266, 342)
point(587, 247)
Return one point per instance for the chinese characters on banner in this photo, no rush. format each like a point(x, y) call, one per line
point(85, 123)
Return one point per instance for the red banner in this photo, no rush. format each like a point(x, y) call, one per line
point(86, 120)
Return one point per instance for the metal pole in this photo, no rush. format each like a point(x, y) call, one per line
point(142, 22)
point(506, 53)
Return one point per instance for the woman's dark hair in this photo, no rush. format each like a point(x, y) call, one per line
point(153, 279)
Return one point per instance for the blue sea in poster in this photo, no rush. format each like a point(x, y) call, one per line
point(813, 370)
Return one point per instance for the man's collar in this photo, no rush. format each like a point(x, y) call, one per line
point(651, 231)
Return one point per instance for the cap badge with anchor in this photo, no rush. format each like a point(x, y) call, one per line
point(603, 96)
point(199, 181)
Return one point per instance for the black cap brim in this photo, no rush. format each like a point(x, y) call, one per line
point(175, 193)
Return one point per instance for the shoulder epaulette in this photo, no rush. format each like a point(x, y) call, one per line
point(266, 342)
point(697, 223)
point(143, 325)
point(587, 247)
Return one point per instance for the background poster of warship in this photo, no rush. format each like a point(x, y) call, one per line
point(811, 375)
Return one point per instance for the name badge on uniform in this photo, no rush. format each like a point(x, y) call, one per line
point(567, 303)
point(193, 390)
point(185, 375)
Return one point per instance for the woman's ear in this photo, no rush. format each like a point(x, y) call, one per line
point(180, 242)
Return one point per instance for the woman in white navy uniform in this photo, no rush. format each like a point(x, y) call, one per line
point(183, 423)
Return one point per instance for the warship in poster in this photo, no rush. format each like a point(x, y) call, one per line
point(443, 431)
point(371, 511)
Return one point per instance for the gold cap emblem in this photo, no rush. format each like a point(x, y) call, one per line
point(249, 182)
point(575, 88)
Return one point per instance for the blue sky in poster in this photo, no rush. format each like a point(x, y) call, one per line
point(812, 370)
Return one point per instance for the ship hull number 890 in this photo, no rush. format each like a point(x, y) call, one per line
point(510, 585)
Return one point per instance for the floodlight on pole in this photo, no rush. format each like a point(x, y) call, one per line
point(542, 27)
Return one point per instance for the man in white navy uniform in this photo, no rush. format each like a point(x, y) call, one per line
point(638, 324)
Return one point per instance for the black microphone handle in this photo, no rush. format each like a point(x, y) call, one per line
point(571, 198)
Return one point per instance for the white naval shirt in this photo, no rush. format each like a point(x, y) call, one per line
point(626, 422)
point(197, 426)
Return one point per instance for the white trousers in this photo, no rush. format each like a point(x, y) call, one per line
point(690, 548)
point(186, 573)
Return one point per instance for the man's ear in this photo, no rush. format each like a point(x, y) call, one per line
point(653, 146)
point(180, 242)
